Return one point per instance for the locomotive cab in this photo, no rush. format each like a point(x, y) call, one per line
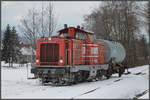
point(76, 33)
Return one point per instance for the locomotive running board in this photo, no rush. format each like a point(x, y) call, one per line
point(50, 66)
point(89, 67)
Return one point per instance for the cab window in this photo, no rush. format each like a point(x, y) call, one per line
point(80, 36)
point(63, 34)
point(84, 36)
point(92, 37)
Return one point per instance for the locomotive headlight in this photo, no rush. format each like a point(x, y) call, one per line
point(49, 38)
point(37, 60)
point(61, 61)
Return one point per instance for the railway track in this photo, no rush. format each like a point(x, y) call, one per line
point(92, 90)
point(114, 81)
point(141, 94)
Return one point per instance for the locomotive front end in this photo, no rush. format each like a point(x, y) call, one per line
point(50, 51)
point(50, 59)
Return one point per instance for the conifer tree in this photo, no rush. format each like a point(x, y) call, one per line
point(10, 48)
point(6, 45)
point(15, 51)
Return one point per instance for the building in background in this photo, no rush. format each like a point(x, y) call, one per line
point(27, 54)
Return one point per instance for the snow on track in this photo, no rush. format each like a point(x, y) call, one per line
point(16, 85)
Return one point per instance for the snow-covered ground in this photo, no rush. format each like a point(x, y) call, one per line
point(16, 85)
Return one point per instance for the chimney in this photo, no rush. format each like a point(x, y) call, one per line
point(78, 26)
point(65, 25)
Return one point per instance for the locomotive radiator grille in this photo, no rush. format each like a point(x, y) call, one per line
point(49, 52)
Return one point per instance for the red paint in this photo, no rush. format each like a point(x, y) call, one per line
point(80, 52)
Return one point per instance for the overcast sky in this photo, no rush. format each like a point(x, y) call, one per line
point(70, 13)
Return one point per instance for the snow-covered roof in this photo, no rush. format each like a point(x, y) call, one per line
point(84, 30)
point(88, 31)
point(27, 51)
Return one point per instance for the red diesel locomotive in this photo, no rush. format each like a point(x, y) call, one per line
point(75, 55)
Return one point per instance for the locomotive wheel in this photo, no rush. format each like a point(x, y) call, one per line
point(85, 75)
point(75, 80)
point(79, 76)
point(99, 75)
point(44, 79)
point(107, 76)
point(35, 75)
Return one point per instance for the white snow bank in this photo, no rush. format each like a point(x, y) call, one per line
point(16, 85)
point(27, 51)
point(15, 65)
point(3, 64)
point(121, 90)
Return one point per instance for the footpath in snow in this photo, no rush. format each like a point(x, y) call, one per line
point(15, 85)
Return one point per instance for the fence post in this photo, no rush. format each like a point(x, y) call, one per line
point(27, 70)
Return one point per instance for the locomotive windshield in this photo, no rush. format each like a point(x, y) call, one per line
point(64, 34)
point(80, 36)
point(92, 37)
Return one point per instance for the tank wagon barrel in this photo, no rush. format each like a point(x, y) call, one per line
point(113, 49)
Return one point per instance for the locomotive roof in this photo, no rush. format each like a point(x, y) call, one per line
point(77, 29)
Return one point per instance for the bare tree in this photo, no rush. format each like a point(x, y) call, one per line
point(36, 23)
point(48, 20)
point(29, 26)
point(144, 13)
point(117, 20)
point(52, 23)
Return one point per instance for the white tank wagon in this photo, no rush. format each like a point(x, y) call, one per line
point(114, 50)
